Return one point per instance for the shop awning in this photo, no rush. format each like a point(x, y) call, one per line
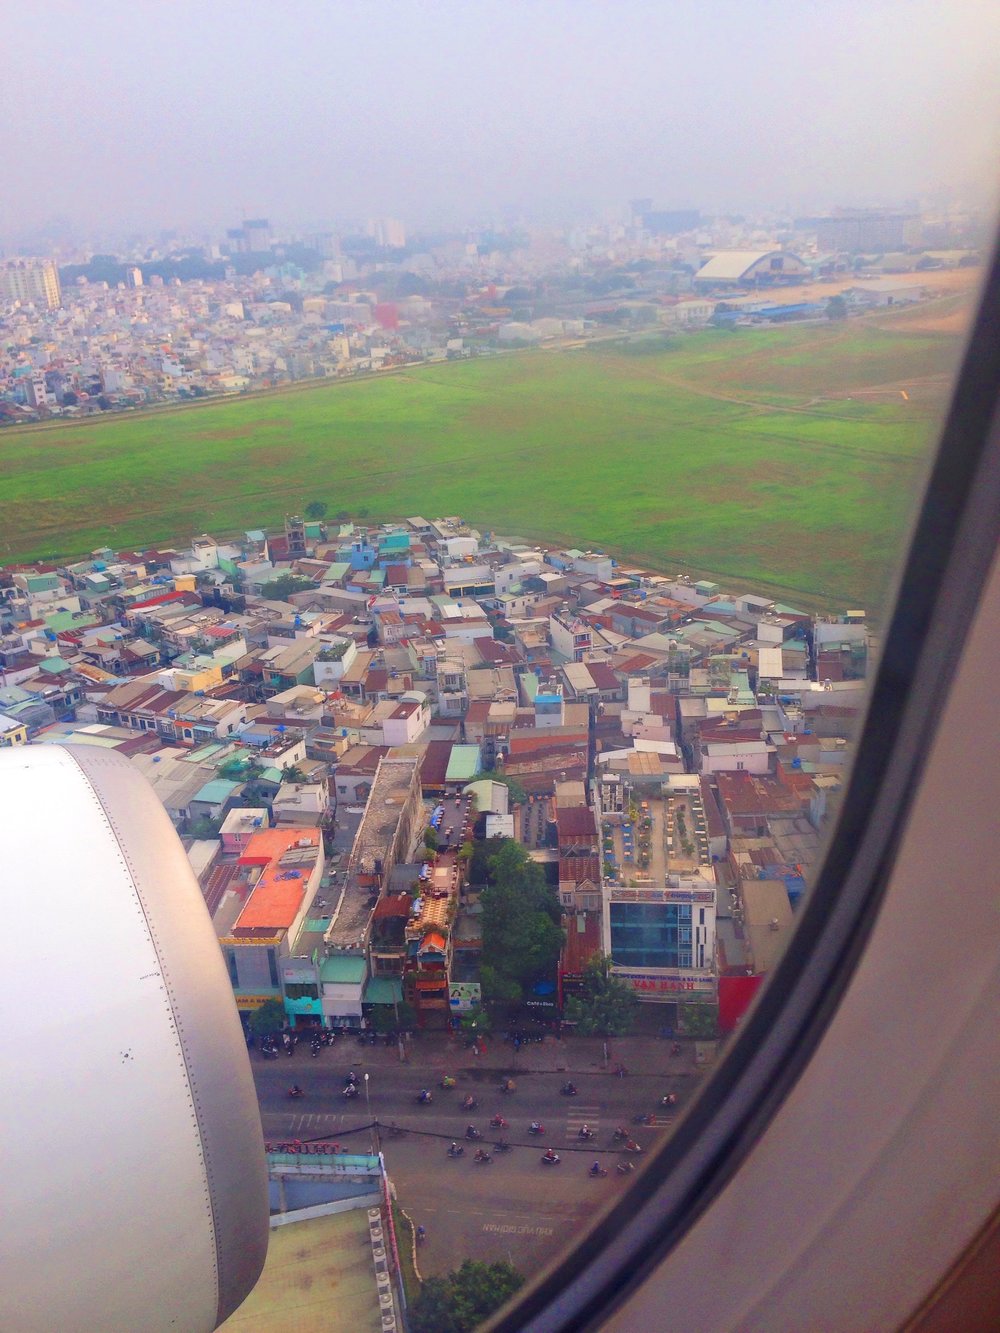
point(383, 990)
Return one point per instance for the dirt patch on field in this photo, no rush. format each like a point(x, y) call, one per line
point(955, 322)
point(939, 282)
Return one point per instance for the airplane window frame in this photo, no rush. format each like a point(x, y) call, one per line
point(952, 544)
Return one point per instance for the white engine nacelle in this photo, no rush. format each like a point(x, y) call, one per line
point(134, 1180)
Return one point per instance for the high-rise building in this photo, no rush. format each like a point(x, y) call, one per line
point(257, 232)
point(31, 281)
point(133, 277)
point(388, 232)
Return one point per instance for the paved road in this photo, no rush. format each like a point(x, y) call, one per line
point(512, 1208)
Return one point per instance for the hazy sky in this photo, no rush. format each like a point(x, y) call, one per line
point(162, 112)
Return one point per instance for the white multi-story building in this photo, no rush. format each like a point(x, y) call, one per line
point(31, 282)
point(658, 890)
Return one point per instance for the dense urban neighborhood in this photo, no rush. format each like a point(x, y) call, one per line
point(367, 736)
point(184, 318)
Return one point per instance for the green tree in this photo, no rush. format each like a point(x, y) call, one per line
point(607, 1006)
point(270, 1017)
point(283, 586)
point(476, 1022)
point(836, 308)
point(516, 789)
point(203, 827)
point(498, 987)
point(292, 773)
point(479, 866)
point(430, 839)
point(521, 933)
point(393, 1017)
point(699, 1020)
point(461, 1301)
point(316, 509)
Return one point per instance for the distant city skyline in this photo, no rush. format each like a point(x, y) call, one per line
point(133, 115)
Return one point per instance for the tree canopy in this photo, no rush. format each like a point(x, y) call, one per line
point(461, 1301)
point(269, 1017)
point(607, 1006)
point(284, 585)
point(316, 509)
point(518, 795)
point(521, 933)
point(699, 1020)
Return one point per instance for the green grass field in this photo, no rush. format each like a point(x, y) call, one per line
point(782, 459)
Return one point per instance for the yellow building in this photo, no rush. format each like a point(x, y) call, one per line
point(12, 732)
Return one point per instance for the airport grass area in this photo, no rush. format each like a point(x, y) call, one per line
point(787, 460)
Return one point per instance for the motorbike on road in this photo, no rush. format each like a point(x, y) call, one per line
point(502, 1146)
point(470, 1104)
point(569, 1090)
point(424, 1098)
point(498, 1122)
point(597, 1170)
point(471, 1132)
point(456, 1150)
point(550, 1158)
point(536, 1127)
point(482, 1156)
point(447, 1082)
point(295, 1091)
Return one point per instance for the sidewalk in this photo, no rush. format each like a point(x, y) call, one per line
point(642, 1056)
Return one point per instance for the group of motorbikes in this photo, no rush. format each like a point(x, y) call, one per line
point(621, 1138)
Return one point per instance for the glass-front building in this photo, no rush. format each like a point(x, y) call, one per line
point(652, 935)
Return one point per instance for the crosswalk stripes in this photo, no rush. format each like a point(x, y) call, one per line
point(580, 1116)
point(319, 1120)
